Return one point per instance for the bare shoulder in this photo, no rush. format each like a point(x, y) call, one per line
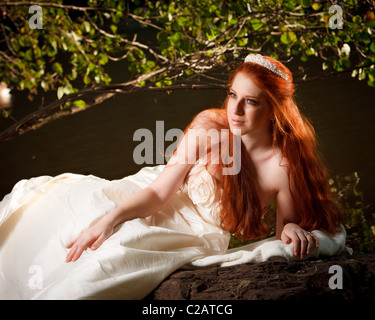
point(278, 171)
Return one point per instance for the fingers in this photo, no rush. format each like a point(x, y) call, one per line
point(296, 245)
point(316, 242)
point(311, 242)
point(98, 242)
point(70, 244)
point(75, 251)
point(80, 244)
point(303, 243)
point(285, 238)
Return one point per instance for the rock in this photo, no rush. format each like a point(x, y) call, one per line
point(275, 280)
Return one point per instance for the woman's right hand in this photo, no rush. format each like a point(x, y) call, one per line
point(91, 238)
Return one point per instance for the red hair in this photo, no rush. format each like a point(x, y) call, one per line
point(293, 134)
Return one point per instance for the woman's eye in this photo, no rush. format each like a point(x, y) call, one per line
point(251, 101)
point(248, 100)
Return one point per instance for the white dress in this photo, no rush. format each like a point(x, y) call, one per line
point(42, 215)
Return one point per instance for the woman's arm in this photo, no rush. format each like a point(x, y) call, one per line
point(141, 205)
point(286, 229)
point(149, 200)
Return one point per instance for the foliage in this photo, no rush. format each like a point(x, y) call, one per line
point(358, 217)
point(192, 37)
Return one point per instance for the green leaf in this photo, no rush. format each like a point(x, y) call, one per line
point(212, 31)
point(288, 37)
point(189, 72)
point(37, 52)
point(232, 20)
point(86, 79)
point(242, 42)
point(210, 35)
point(174, 38)
point(87, 26)
point(73, 76)
point(79, 103)
point(44, 85)
point(56, 67)
point(53, 43)
point(371, 77)
point(162, 36)
point(364, 36)
point(5, 113)
point(51, 52)
point(107, 79)
point(22, 41)
point(289, 5)
point(113, 28)
point(305, 3)
point(256, 24)
point(116, 17)
point(60, 92)
point(316, 6)
point(304, 58)
point(68, 89)
point(357, 19)
point(345, 63)
point(15, 44)
point(370, 24)
point(103, 58)
point(29, 55)
point(182, 21)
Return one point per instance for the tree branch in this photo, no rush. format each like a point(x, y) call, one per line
point(40, 117)
point(54, 5)
point(332, 74)
point(134, 43)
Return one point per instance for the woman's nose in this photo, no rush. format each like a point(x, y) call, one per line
point(238, 108)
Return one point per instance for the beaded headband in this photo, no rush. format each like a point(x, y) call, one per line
point(259, 59)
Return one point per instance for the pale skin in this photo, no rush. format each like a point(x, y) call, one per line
point(248, 111)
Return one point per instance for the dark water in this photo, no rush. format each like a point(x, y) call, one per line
point(99, 141)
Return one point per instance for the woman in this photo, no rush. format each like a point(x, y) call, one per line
point(164, 217)
point(281, 163)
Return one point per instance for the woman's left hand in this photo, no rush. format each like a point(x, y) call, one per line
point(303, 241)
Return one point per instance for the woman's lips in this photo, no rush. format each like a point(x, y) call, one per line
point(237, 122)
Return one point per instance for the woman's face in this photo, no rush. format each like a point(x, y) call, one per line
point(246, 107)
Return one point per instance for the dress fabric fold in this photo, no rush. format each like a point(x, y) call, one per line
point(40, 216)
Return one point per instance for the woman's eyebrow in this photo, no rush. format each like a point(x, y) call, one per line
point(247, 96)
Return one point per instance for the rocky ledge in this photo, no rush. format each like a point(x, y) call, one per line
point(339, 278)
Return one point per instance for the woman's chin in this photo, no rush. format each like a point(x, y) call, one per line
point(236, 130)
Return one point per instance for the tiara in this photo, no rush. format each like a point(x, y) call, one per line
point(259, 59)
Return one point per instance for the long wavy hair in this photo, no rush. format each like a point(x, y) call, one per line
point(241, 210)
